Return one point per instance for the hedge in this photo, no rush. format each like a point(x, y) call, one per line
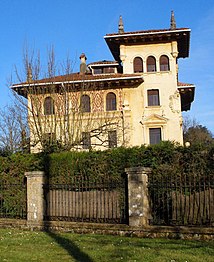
point(165, 157)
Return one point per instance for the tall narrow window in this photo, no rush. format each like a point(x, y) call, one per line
point(85, 103)
point(86, 140)
point(112, 139)
point(151, 64)
point(138, 65)
point(153, 97)
point(154, 136)
point(111, 103)
point(49, 138)
point(49, 106)
point(164, 63)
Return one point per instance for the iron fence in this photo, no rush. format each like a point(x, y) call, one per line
point(13, 200)
point(101, 200)
point(185, 199)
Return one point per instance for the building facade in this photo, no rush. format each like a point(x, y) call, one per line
point(135, 99)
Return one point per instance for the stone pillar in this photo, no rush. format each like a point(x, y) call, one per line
point(35, 197)
point(139, 209)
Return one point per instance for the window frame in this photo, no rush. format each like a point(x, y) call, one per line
point(98, 71)
point(153, 97)
point(49, 108)
point(155, 135)
point(151, 65)
point(112, 138)
point(138, 64)
point(86, 140)
point(164, 63)
point(111, 102)
point(85, 103)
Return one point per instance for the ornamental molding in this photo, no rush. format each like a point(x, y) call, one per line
point(174, 102)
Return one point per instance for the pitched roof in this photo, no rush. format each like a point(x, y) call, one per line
point(154, 31)
point(181, 35)
point(180, 84)
point(187, 92)
point(76, 81)
point(77, 77)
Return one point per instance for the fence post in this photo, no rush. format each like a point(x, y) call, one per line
point(35, 197)
point(138, 197)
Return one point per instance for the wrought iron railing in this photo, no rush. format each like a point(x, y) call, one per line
point(101, 200)
point(13, 200)
point(182, 199)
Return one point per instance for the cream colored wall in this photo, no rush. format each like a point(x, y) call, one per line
point(167, 116)
point(76, 121)
point(138, 117)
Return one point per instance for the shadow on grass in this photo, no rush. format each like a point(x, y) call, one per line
point(73, 250)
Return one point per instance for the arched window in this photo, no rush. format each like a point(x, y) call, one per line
point(164, 63)
point(111, 103)
point(85, 103)
point(138, 65)
point(49, 106)
point(151, 64)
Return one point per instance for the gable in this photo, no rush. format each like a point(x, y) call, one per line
point(155, 119)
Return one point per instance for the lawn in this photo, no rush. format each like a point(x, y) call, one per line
point(17, 245)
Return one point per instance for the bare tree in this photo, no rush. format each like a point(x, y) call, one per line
point(57, 111)
point(13, 129)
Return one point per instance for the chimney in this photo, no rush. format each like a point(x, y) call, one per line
point(83, 66)
point(172, 21)
point(120, 26)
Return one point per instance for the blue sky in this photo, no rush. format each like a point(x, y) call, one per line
point(73, 27)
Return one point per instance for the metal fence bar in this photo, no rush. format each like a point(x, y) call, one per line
point(13, 200)
point(96, 200)
point(184, 199)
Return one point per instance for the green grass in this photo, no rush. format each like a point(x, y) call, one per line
point(17, 245)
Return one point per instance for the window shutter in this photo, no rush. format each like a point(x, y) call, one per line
point(151, 64)
point(164, 63)
point(138, 65)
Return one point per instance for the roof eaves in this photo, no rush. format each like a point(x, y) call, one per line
point(138, 33)
point(78, 81)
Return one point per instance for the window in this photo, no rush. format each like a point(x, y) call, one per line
point(154, 135)
point(86, 140)
point(98, 71)
point(138, 65)
point(49, 138)
point(164, 63)
point(104, 70)
point(85, 103)
point(111, 103)
point(151, 64)
point(153, 97)
point(108, 70)
point(112, 139)
point(49, 106)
